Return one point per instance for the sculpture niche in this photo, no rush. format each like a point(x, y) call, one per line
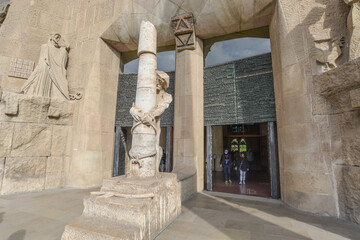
point(353, 24)
point(49, 76)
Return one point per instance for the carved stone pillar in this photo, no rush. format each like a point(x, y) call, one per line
point(184, 31)
point(143, 141)
point(189, 98)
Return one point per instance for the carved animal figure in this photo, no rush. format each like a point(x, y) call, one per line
point(328, 57)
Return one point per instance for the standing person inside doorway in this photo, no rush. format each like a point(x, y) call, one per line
point(226, 163)
point(243, 166)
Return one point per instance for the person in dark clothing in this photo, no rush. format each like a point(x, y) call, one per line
point(225, 162)
point(242, 166)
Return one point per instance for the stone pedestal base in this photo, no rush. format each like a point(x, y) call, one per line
point(128, 208)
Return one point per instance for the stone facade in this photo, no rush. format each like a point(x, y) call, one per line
point(339, 115)
point(103, 36)
point(35, 145)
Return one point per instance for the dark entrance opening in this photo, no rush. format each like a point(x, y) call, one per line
point(258, 142)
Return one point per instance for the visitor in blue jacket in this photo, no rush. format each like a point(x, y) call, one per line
point(225, 162)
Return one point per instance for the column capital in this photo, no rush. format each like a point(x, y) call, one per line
point(184, 31)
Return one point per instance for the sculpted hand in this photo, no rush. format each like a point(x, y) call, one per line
point(148, 118)
point(137, 114)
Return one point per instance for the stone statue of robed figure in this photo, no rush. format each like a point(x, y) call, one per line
point(49, 76)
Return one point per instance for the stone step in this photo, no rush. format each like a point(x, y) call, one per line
point(126, 185)
point(138, 212)
point(84, 228)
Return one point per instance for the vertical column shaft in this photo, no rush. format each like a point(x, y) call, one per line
point(189, 112)
point(274, 168)
point(117, 151)
point(143, 140)
point(168, 142)
point(208, 158)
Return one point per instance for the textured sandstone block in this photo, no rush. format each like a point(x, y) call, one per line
point(53, 112)
point(59, 111)
point(61, 142)
point(54, 180)
point(128, 207)
point(34, 109)
point(347, 178)
point(11, 103)
point(321, 204)
point(55, 175)
point(2, 169)
point(24, 175)
point(355, 98)
point(6, 131)
point(31, 140)
point(31, 109)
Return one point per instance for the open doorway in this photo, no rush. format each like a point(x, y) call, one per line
point(239, 114)
point(253, 140)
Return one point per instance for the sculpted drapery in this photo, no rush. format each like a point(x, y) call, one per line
point(353, 23)
point(49, 76)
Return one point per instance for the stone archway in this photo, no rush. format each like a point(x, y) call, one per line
point(214, 21)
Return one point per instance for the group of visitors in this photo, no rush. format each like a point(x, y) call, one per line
point(241, 165)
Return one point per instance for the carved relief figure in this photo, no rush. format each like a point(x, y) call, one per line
point(4, 7)
point(328, 57)
point(163, 100)
point(353, 23)
point(49, 76)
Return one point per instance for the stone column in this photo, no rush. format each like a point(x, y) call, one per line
point(209, 159)
point(273, 159)
point(168, 146)
point(143, 140)
point(217, 146)
point(189, 101)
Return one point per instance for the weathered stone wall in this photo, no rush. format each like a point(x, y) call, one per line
point(93, 68)
point(35, 145)
point(340, 130)
point(308, 178)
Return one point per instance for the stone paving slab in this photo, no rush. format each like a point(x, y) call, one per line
point(228, 216)
point(43, 216)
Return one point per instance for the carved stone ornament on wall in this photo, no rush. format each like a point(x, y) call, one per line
point(328, 56)
point(75, 96)
point(184, 31)
point(21, 68)
point(49, 77)
point(353, 24)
